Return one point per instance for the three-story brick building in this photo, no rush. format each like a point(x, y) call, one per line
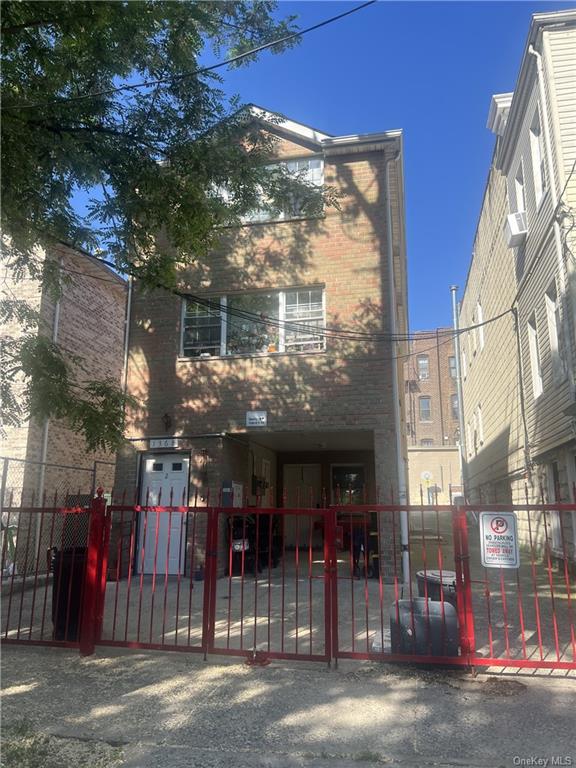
point(282, 381)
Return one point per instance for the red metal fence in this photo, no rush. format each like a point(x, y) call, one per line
point(349, 581)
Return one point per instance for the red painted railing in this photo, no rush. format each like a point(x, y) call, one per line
point(303, 583)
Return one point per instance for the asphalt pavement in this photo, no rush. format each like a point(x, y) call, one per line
point(145, 709)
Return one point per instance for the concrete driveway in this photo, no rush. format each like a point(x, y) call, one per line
point(169, 710)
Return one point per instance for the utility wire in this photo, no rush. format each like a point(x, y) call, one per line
point(216, 310)
point(193, 73)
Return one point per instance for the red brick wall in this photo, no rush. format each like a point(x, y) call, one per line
point(440, 386)
point(347, 387)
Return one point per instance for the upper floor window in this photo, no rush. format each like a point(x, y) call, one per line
point(427, 442)
point(423, 363)
point(255, 323)
point(480, 321)
point(452, 367)
point(538, 163)
point(554, 332)
point(310, 171)
point(425, 408)
point(519, 189)
point(454, 406)
point(535, 365)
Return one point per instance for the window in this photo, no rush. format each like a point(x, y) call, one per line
point(519, 189)
point(480, 320)
point(535, 366)
point(303, 308)
point(452, 367)
point(454, 406)
point(425, 408)
point(554, 334)
point(538, 164)
point(246, 330)
point(464, 369)
point(202, 329)
point(348, 483)
point(426, 442)
point(480, 425)
point(308, 170)
point(255, 323)
point(423, 363)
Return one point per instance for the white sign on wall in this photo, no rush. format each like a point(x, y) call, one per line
point(499, 540)
point(164, 442)
point(256, 418)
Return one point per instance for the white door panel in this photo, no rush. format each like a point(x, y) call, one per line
point(163, 534)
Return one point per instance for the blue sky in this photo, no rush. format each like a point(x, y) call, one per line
point(429, 68)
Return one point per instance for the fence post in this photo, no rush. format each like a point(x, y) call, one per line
point(92, 584)
point(463, 579)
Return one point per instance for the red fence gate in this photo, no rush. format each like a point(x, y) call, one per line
point(320, 584)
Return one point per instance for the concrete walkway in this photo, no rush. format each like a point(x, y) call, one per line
point(170, 710)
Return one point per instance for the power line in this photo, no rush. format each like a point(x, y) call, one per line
point(216, 309)
point(193, 73)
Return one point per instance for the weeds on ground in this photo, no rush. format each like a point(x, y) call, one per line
point(23, 747)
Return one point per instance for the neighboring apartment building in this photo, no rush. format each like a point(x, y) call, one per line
point(432, 417)
point(272, 410)
point(88, 321)
point(518, 371)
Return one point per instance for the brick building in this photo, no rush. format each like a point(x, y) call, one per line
point(277, 410)
point(518, 371)
point(432, 417)
point(87, 320)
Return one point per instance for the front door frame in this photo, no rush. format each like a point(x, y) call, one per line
point(149, 454)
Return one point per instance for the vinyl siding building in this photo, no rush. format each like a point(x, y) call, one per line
point(519, 370)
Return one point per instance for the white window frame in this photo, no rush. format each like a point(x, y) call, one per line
point(281, 329)
point(454, 399)
point(427, 359)
point(537, 152)
point(535, 365)
point(480, 425)
point(429, 419)
point(480, 320)
point(554, 331)
point(520, 188)
point(261, 217)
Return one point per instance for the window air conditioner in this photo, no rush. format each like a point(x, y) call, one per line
point(515, 229)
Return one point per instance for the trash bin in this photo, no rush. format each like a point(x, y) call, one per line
point(417, 629)
point(69, 569)
point(430, 583)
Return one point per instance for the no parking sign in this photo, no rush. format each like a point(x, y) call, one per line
point(499, 540)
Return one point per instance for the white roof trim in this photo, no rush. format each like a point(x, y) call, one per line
point(362, 138)
point(291, 126)
point(499, 108)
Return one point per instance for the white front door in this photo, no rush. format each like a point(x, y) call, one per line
point(163, 534)
point(302, 489)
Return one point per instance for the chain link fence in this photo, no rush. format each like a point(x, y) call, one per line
point(32, 484)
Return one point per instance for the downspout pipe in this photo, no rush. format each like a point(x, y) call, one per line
point(44, 448)
point(127, 334)
point(400, 462)
point(544, 112)
point(456, 323)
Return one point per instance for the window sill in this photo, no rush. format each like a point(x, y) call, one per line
point(291, 220)
point(247, 356)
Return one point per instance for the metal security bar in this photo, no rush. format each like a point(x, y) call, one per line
point(299, 583)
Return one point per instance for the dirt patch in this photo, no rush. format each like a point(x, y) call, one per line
point(24, 747)
point(496, 686)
